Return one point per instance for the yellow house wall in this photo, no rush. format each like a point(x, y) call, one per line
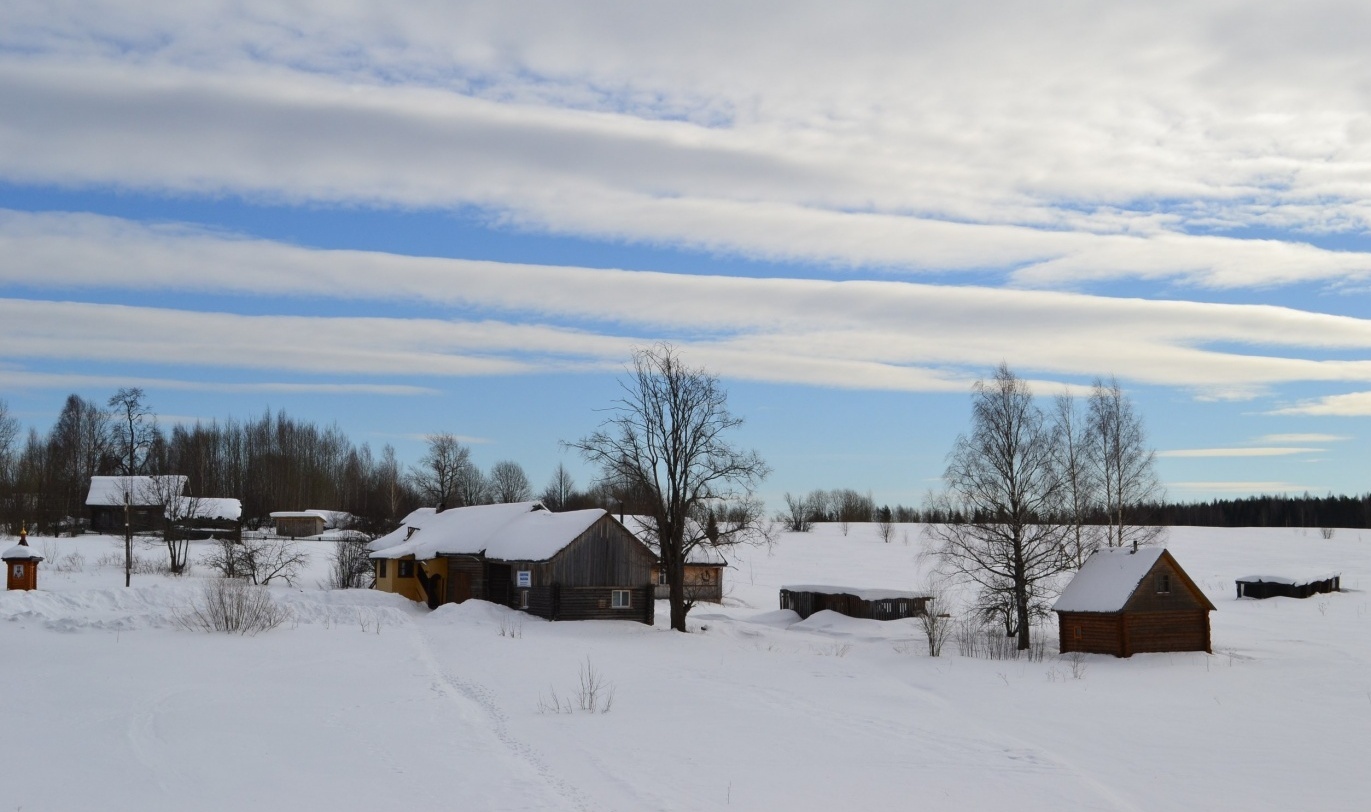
point(409, 587)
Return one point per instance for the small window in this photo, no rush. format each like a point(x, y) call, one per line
point(661, 576)
point(1163, 583)
point(380, 568)
point(406, 569)
point(621, 599)
point(523, 599)
point(18, 570)
point(1078, 632)
point(706, 575)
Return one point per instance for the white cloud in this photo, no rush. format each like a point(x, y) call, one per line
point(11, 378)
point(1352, 404)
point(1237, 452)
point(1064, 148)
point(1302, 438)
point(1245, 488)
point(866, 334)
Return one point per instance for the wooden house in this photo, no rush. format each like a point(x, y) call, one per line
point(577, 565)
point(206, 517)
point(146, 498)
point(1123, 602)
point(704, 565)
point(873, 604)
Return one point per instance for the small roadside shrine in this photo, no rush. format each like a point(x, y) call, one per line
point(21, 564)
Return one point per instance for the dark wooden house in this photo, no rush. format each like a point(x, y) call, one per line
point(704, 565)
point(1124, 602)
point(577, 565)
point(145, 498)
point(1276, 586)
point(873, 604)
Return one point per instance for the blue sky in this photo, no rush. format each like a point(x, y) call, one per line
point(462, 217)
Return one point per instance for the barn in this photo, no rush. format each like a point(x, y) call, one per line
point(1125, 601)
point(578, 565)
point(146, 498)
point(873, 604)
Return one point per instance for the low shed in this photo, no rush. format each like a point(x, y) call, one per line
point(873, 604)
point(1276, 586)
point(1125, 601)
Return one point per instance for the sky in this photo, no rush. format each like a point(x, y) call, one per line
point(464, 217)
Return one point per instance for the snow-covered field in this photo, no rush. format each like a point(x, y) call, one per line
point(365, 701)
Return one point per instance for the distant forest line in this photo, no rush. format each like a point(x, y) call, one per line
point(276, 462)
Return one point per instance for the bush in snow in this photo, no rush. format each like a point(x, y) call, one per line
point(258, 560)
point(234, 606)
point(351, 566)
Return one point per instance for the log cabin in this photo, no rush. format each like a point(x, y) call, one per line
point(1123, 602)
point(704, 565)
point(146, 496)
point(578, 565)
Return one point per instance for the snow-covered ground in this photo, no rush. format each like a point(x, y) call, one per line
point(366, 701)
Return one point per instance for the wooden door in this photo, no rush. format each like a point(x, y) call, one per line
point(459, 585)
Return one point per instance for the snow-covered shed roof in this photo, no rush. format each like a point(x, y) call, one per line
point(20, 552)
point(702, 554)
point(332, 518)
point(206, 508)
point(518, 531)
point(144, 491)
point(1107, 580)
point(863, 594)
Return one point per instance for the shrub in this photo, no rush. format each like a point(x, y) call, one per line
point(233, 606)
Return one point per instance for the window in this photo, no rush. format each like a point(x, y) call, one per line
point(1078, 632)
point(380, 568)
point(406, 569)
point(620, 600)
point(1163, 583)
point(661, 576)
point(705, 575)
point(523, 599)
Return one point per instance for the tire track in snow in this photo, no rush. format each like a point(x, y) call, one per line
point(460, 690)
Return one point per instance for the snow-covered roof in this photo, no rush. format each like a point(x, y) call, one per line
point(332, 518)
point(207, 508)
point(1107, 580)
point(518, 531)
point(702, 554)
point(863, 594)
point(144, 491)
point(20, 552)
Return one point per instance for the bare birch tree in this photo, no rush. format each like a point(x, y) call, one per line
point(1080, 478)
point(667, 437)
point(560, 489)
point(1126, 466)
point(1003, 478)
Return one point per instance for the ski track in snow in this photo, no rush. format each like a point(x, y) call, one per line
point(463, 691)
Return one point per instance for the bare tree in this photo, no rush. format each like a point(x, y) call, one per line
point(797, 515)
point(473, 488)
point(134, 430)
point(9, 434)
point(1002, 477)
point(885, 524)
point(440, 470)
point(1128, 477)
point(667, 436)
point(1080, 479)
point(560, 489)
point(508, 482)
point(179, 512)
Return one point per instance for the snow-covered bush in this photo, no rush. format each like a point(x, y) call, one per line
point(350, 566)
point(232, 605)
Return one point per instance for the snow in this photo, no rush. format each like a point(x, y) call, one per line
point(518, 531)
point(1107, 580)
point(863, 594)
point(207, 508)
point(107, 491)
point(20, 552)
point(367, 701)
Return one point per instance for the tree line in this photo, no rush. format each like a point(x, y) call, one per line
point(271, 463)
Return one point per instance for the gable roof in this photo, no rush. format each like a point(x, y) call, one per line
point(144, 491)
point(518, 531)
point(1107, 579)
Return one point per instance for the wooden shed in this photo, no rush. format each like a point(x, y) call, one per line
point(1123, 602)
point(576, 565)
point(873, 604)
point(1278, 586)
point(298, 523)
point(704, 565)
